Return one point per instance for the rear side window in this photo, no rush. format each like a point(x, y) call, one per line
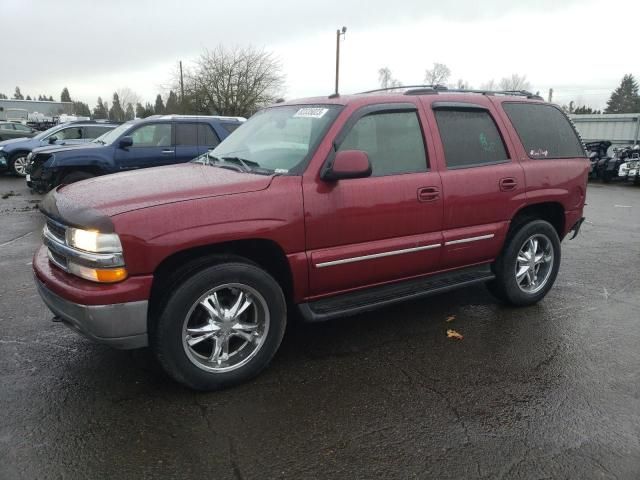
point(470, 138)
point(95, 132)
point(545, 132)
point(230, 127)
point(186, 134)
point(393, 142)
point(206, 135)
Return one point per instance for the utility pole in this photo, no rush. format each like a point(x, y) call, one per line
point(550, 95)
point(338, 33)
point(181, 90)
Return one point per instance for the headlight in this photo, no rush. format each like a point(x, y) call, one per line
point(92, 241)
point(1, 149)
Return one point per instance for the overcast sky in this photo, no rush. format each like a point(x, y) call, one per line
point(580, 48)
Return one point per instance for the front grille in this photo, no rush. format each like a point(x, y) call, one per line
point(56, 229)
point(57, 259)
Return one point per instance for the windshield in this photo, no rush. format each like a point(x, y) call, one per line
point(112, 135)
point(279, 138)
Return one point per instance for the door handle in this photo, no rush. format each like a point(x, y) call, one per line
point(168, 151)
point(507, 184)
point(428, 194)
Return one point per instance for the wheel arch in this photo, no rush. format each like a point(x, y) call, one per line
point(552, 212)
point(264, 253)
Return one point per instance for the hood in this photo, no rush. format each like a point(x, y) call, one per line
point(88, 203)
point(66, 146)
point(14, 142)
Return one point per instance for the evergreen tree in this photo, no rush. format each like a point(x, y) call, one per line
point(140, 112)
point(129, 114)
point(159, 107)
point(584, 110)
point(148, 109)
point(28, 97)
point(3, 96)
point(18, 95)
point(81, 109)
point(172, 103)
point(51, 98)
point(99, 111)
point(625, 98)
point(116, 112)
point(64, 96)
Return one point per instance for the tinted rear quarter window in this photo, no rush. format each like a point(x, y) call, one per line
point(230, 127)
point(95, 132)
point(470, 138)
point(545, 132)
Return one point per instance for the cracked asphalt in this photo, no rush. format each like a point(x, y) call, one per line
point(549, 391)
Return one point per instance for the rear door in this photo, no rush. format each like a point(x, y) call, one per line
point(382, 228)
point(482, 182)
point(152, 146)
point(193, 139)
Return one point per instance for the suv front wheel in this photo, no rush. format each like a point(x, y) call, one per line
point(528, 265)
point(18, 164)
point(220, 326)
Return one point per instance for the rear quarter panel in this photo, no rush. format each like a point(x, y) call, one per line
point(561, 180)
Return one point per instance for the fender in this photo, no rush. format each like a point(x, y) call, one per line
point(101, 158)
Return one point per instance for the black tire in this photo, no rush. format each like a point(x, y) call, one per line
point(74, 177)
point(166, 333)
point(18, 159)
point(505, 287)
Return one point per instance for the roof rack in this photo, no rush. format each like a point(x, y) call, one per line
point(435, 89)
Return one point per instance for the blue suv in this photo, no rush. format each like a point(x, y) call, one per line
point(14, 152)
point(154, 141)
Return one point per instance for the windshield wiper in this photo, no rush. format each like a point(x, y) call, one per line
point(238, 164)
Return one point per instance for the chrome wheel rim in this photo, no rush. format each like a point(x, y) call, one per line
point(225, 328)
point(534, 263)
point(20, 165)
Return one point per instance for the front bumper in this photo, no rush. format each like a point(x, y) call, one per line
point(120, 325)
point(113, 314)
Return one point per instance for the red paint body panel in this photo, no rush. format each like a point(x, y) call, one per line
point(163, 211)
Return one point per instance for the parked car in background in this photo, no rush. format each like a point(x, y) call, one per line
point(333, 206)
point(13, 153)
point(9, 130)
point(154, 141)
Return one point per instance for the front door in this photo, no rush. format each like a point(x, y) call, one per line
point(386, 227)
point(152, 146)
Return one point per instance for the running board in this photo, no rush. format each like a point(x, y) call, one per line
point(375, 297)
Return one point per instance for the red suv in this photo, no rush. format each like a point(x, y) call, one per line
point(332, 206)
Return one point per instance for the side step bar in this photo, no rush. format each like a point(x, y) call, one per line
point(375, 297)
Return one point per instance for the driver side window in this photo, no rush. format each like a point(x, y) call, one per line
point(72, 133)
point(154, 135)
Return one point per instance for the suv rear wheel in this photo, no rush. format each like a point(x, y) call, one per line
point(528, 265)
point(220, 326)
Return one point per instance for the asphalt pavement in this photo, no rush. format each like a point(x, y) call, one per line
point(548, 391)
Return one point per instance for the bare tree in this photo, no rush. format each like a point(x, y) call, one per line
point(489, 86)
point(386, 80)
point(462, 85)
point(127, 97)
point(515, 83)
point(236, 81)
point(438, 75)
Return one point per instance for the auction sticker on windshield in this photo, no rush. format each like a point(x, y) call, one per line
point(309, 112)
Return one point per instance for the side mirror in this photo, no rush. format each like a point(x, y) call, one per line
point(125, 142)
point(348, 164)
point(53, 139)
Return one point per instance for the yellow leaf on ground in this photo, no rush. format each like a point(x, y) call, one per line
point(453, 334)
point(451, 318)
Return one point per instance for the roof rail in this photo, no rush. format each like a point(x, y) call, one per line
point(435, 89)
point(404, 87)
